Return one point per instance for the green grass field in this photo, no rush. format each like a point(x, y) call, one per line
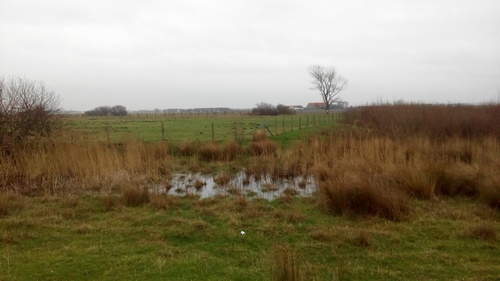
point(195, 128)
point(171, 238)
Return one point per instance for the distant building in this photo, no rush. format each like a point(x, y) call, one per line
point(296, 107)
point(316, 105)
point(322, 105)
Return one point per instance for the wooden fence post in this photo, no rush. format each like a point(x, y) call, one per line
point(162, 131)
point(213, 136)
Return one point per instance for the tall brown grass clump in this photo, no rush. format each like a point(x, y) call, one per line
point(458, 179)
point(4, 204)
point(284, 264)
point(261, 145)
point(354, 191)
point(185, 148)
point(215, 152)
point(489, 189)
point(483, 231)
point(135, 195)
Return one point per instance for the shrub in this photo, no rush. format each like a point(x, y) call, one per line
point(27, 110)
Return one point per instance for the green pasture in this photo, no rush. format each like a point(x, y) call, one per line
point(172, 238)
point(195, 128)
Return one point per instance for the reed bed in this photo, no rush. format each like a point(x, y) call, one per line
point(59, 167)
point(396, 152)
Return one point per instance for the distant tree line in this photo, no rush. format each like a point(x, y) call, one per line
point(117, 110)
point(269, 109)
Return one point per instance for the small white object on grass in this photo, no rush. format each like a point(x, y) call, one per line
point(242, 232)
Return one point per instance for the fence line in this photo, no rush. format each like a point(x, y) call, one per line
point(206, 128)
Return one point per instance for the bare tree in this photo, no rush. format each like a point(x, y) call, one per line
point(328, 82)
point(27, 109)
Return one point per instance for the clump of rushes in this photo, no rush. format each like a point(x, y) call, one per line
point(4, 204)
point(262, 146)
point(458, 178)
point(483, 231)
point(215, 152)
point(355, 192)
point(198, 184)
point(135, 196)
point(185, 148)
point(222, 179)
point(284, 264)
point(489, 191)
point(210, 152)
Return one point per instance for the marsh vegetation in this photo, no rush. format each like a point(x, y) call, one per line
point(393, 192)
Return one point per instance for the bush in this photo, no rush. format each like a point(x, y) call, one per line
point(117, 110)
point(27, 110)
point(269, 109)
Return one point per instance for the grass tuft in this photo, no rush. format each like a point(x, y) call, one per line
point(284, 264)
point(483, 231)
point(363, 239)
point(135, 196)
point(263, 147)
point(4, 204)
point(222, 179)
point(185, 148)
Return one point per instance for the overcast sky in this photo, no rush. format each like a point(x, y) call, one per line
point(147, 54)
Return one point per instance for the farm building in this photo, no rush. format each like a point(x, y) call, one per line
point(321, 105)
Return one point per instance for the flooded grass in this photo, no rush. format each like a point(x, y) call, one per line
point(207, 186)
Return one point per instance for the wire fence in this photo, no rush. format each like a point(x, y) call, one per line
point(203, 127)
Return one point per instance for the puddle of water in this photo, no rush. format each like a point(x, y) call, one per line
point(205, 186)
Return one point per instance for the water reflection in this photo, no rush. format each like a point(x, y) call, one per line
point(207, 186)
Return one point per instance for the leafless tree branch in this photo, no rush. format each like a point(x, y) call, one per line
point(27, 109)
point(327, 81)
